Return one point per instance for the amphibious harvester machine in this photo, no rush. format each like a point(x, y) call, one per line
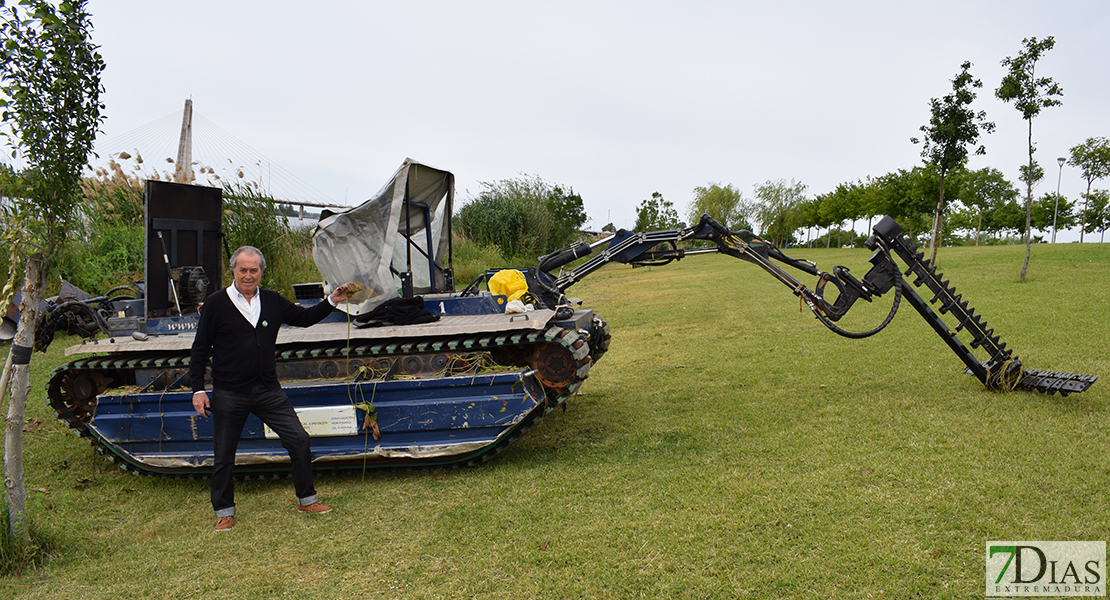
point(456, 386)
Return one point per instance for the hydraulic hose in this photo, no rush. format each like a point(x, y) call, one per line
point(863, 334)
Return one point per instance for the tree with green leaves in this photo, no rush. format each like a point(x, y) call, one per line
point(526, 216)
point(1053, 207)
point(814, 213)
point(890, 193)
point(983, 190)
point(868, 201)
point(1009, 218)
point(1097, 213)
point(656, 213)
point(808, 214)
point(952, 127)
point(904, 195)
point(725, 204)
point(775, 209)
point(840, 205)
point(1030, 94)
point(1093, 158)
point(568, 214)
point(50, 100)
point(961, 217)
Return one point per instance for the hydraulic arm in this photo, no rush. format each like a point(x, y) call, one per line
point(1001, 370)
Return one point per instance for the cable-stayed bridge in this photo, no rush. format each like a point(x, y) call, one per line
point(186, 147)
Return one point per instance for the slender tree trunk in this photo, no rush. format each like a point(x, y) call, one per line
point(937, 220)
point(979, 227)
point(1086, 201)
point(22, 344)
point(1028, 206)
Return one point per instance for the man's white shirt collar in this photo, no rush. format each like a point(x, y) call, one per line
point(250, 309)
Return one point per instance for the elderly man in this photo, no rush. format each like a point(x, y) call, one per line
point(237, 333)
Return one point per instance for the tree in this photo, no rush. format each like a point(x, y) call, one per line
point(890, 193)
point(1097, 214)
point(1093, 157)
point(50, 99)
point(776, 209)
point(655, 214)
point(839, 206)
point(983, 190)
point(962, 217)
point(809, 214)
point(1050, 207)
point(952, 128)
point(904, 195)
point(568, 214)
point(868, 201)
point(1009, 217)
point(818, 214)
point(523, 216)
point(725, 204)
point(1029, 94)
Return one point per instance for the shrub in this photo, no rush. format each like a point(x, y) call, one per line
point(106, 248)
point(254, 219)
point(470, 259)
point(522, 217)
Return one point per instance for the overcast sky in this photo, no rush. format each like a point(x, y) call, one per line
point(613, 99)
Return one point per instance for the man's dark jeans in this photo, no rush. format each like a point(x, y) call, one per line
point(230, 411)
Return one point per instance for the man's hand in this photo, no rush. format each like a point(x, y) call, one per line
point(341, 293)
point(200, 403)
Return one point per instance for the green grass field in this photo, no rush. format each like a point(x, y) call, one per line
point(727, 446)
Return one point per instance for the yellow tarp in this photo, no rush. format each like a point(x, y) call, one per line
point(510, 283)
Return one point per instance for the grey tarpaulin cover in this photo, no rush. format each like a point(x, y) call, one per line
point(361, 243)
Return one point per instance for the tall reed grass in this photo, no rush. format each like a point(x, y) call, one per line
point(471, 259)
point(254, 219)
point(106, 248)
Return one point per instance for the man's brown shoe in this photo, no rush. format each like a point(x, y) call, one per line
point(315, 507)
point(224, 524)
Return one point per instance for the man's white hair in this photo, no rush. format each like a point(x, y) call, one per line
point(248, 250)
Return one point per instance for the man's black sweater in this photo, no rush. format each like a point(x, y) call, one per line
point(241, 354)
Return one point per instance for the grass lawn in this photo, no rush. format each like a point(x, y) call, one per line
point(727, 446)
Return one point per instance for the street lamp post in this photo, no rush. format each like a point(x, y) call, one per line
point(1055, 210)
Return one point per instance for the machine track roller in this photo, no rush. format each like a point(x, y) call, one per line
point(73, 393)
point(562, 361)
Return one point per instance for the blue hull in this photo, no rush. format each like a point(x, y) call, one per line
point(439, 421)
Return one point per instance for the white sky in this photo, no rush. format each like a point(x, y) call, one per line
point(614, 99)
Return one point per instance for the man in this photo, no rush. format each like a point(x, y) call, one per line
point(238, 331)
